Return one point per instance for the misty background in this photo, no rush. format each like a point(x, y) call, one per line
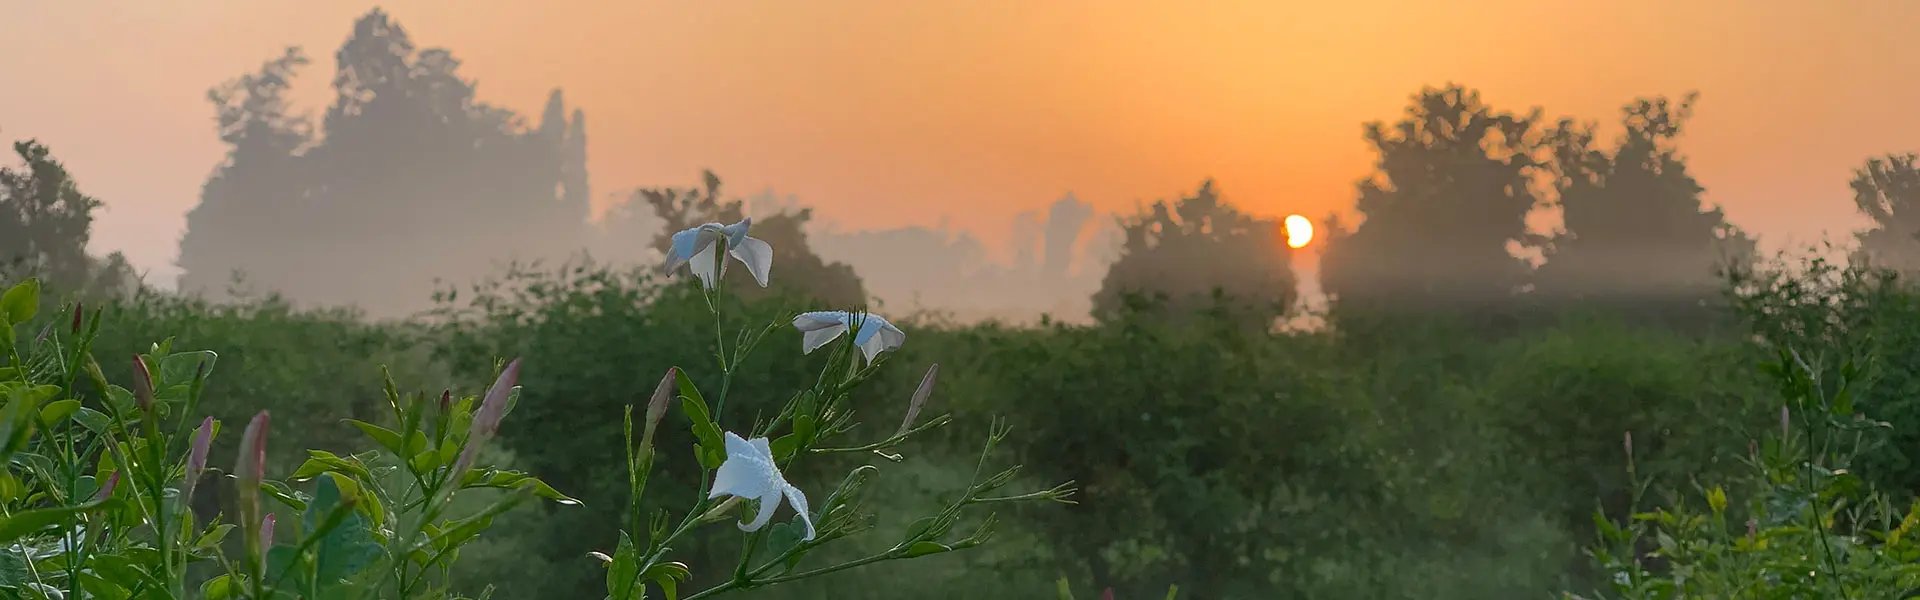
point(1535, 229)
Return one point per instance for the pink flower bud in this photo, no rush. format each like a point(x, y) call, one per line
point(106, 490)
point(266, 531)
point(197, 458)
point(142, 385)
point(79, 314)
point(657, 406)
point(920, 396)
point(446, 401)
point(249, 472)
point(486, 420)
point(1786, 423)
point(1628, 443)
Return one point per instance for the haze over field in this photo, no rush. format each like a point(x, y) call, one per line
point(960, 117)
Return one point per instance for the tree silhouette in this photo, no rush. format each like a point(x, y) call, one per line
point(795, 266)
point(45, 223)
point(1887, 190)
point(1636, 230)
point(1444, 210)
point(412, 178)
point(1199, 253)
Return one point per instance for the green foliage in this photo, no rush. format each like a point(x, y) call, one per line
point(408, 173)
point(1451, 194)
point(45, 222)
point(1200, 252)
point(1635, 228)
point(1887, 190)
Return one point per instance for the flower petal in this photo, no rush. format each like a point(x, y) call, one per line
point(737, 232)
point(706, 265)
point(877, 335)
point(799, 501)
point(819, 327)
point(756, 254)
point(768, 503)
point(686, 243)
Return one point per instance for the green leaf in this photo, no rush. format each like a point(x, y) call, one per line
point(221, 587)
point(492, 478)
point(213, 536)
point(346, 544)
point(52, 414)
point(20, 524)
point(321, 461)
point(20, 302)
point(95, 421)
point(668, 576)
point(925, 548)
point(180, 368)
point(387, 438)
point(285, 495)
point(622, 572)
point(784, 536)
point(98, 587)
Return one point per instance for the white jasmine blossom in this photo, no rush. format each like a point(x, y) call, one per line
point(694, 247)
point(749, 473)
point(876, 334)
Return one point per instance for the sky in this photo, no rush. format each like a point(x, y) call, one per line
point(967, 112)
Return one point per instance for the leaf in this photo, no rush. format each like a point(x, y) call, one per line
point(20, 302)
point(321, 461)
point(346, 544)
point(98, 587)
point(213, 536)
point(95, 421)
point(925, 548)
point(53, 413)
point(387, 438)
point(221, 587)
point(668, 576)
point(623, 570)
point(180, 368)
point(783, 537)
point(515, 480)
point(20, 524)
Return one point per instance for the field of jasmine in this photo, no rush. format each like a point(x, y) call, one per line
point(1768, 455)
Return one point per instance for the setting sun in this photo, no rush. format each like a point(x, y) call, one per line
point(1299, 231)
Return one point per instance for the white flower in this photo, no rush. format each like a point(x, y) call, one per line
point(876, 334)
point(749, 473)
point(694, 248)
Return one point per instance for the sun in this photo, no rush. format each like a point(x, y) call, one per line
point(1299, 231)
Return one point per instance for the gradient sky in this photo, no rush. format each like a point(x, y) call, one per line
point(893, 113)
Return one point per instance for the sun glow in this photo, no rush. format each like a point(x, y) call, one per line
point(1299, 231)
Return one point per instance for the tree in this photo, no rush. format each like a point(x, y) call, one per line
point(411, 178)
point(1199, 253)
point(795, 266)
point(1444, 211)
point(1636, 229)
point(45, 223)
point(1887, 190)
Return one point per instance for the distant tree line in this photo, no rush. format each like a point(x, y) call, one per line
point(409, 173)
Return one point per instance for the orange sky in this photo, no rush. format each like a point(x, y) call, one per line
point(889, 113)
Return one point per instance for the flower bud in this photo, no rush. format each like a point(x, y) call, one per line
point(79, 315)
point(250, 470)
point(446, 401)
point(486, 420)
point(106, 489)
point(920, 396)
point(266, 531)
point(197, 458)
point(1786, 423)
point(1627, 442)
point(142, 385)
point(657, 406)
